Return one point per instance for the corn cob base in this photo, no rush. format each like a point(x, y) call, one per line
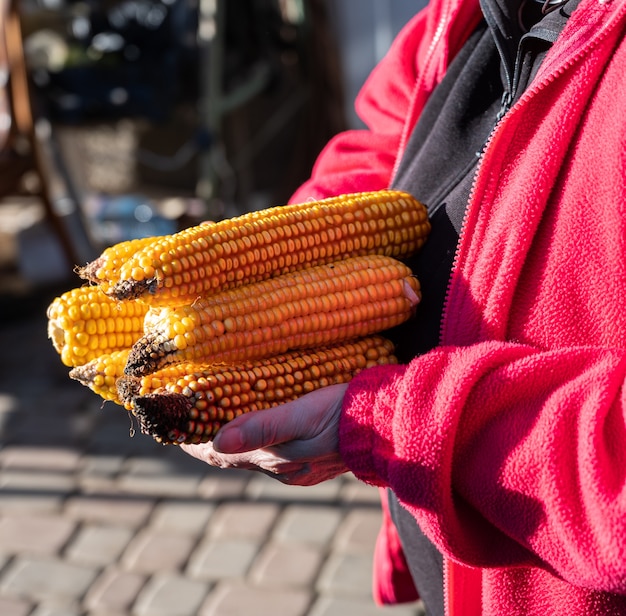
point(84, 324)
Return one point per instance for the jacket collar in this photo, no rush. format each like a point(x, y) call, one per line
point(512, 21)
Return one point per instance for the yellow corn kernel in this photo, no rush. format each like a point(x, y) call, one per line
point(101, 374)
point(79, 330)
point(322, 305)
point(188, 403)
point(206, 259)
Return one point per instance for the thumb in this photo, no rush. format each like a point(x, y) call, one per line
point(258, 430)
point(299, 419)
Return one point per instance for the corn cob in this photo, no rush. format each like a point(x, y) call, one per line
point(188, 403)
point(180, 268)
point(305, 309)
point(101, 374)
point(84, 323)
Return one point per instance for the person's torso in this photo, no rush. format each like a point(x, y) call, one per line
point(438, 166)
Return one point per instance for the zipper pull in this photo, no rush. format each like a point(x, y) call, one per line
point(505, 105)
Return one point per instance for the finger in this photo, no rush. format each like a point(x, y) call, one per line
point(261, 459)
point(411, 295)
point(313, 472)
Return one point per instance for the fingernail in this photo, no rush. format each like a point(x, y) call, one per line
point(228, 440)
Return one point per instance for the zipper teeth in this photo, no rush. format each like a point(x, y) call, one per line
point(446, 584)
point(529, 93)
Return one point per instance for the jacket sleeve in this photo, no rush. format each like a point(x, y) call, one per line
point(496, 478)
point(363, 160)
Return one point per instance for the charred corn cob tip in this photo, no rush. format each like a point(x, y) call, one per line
point(84, 323)
point(101, 374)
point(187, 403)
point(305, 309)
point(201, 260)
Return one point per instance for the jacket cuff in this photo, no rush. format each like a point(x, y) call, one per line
point(365, 425)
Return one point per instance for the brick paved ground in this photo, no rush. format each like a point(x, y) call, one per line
point(94, 522)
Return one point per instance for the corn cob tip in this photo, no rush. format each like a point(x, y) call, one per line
point(101, 374)
point(145, 357)
point(133, 289)
point(164, 417)
point(122, 290)
point(84, 374)
point(128, 388)
point(89, 272)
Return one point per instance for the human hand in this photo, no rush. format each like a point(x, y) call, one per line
point(296, 442)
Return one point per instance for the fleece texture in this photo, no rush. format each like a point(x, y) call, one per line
point(508, 442)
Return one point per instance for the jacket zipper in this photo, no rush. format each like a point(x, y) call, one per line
point(510, 66)
point(507, 97)
point(495, 132)
point(446, 587)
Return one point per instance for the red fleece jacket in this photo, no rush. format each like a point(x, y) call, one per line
point(508, 442)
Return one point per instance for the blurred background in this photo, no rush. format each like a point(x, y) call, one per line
point(132, 118)
point(150, 115)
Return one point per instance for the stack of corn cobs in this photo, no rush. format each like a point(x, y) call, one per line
point(190, 330)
